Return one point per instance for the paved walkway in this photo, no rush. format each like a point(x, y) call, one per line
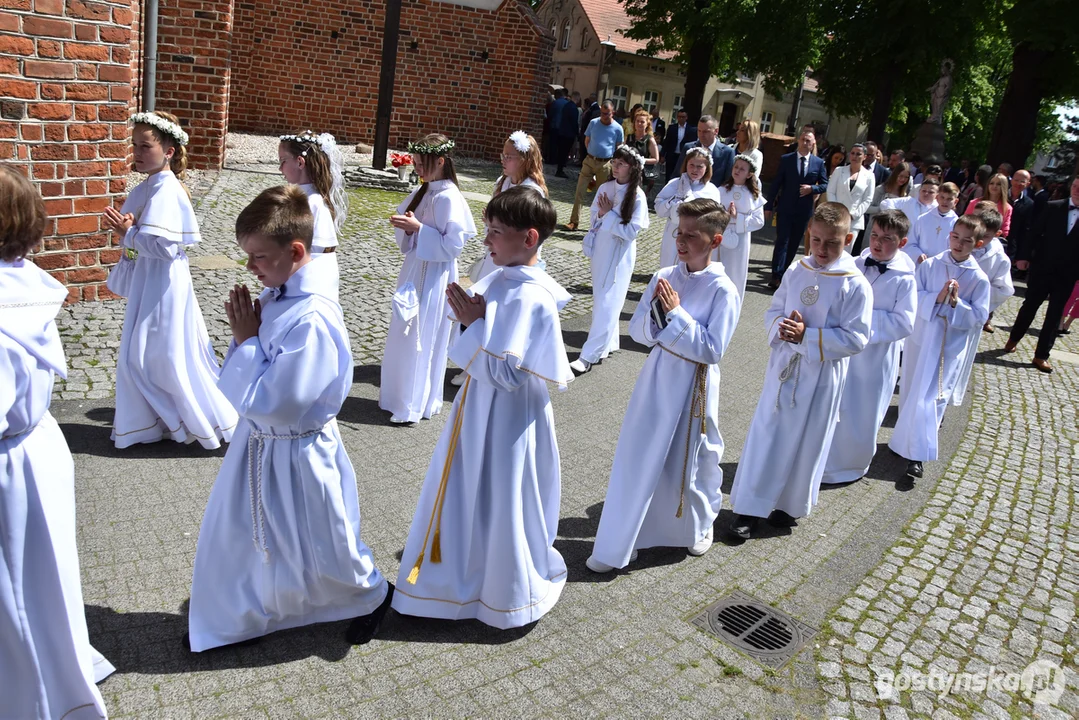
point(974, 567)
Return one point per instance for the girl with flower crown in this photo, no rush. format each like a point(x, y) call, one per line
point(522, 164)
point(619, 214)
point(743, 200)
point(431, 226)
point(314, 162)
point(692, 183)
point(166, 371)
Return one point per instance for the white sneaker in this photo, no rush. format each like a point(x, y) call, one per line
point(580, 366)
point(598, 567)
point(458, 380)
point(701, 546)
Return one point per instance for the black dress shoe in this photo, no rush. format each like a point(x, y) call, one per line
point(561, 175)
point(914, 469)
point(362, 629)
point(743, 526)
point(779, 518)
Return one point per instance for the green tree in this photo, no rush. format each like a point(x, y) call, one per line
point(724, 37)
point(1045, 71)
point(881, 55)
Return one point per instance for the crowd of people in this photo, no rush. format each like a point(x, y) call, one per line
point(280, 544)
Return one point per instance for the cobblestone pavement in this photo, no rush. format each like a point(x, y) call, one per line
point(974, 566)
point(984, 580)
point(368, 257)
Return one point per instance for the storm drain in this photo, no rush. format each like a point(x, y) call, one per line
point(769, 636)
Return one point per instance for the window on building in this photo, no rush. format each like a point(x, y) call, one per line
point(678, 102)
point(565, 35)
point(651, 100)
point(619, 96)
point(766, 121)
point(584, 38)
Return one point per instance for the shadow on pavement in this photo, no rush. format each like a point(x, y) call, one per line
point(96, 439)
point(150, 642)
point(407, 628)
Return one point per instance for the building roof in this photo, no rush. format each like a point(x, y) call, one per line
point(609, 19)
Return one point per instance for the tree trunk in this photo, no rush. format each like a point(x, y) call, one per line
point(1017, 120)
point(698, 70)
point(882, 108)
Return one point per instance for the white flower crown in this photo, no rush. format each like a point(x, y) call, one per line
point(169, 128)
point(632, 151)
point(325, 141)
point(520, 141)
point(703, 152)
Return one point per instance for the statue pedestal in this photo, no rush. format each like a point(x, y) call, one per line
point(929, 142)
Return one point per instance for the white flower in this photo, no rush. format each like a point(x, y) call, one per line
point(636, 155)
point(169, 128)
point(520, 141)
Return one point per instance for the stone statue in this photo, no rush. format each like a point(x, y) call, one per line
point(939, 93)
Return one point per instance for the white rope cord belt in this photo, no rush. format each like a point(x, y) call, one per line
point(793, 367)
point(12, 436)
point(256, 443)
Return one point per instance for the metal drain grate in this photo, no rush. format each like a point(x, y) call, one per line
point(769, 636)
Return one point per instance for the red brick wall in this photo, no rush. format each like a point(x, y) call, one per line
point(193, 73)
point(316, 66)
point(65, 83)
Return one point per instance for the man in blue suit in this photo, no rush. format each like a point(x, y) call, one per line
point(880, 173)
point(801, 177)
point(722, 155)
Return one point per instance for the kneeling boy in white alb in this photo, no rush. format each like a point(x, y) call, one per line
point(820, 316)
point(953, 303)
point(871, 374)
point(482, 539)
point(665, 487)
point(280, 541)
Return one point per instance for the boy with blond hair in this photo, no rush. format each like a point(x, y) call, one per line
point(819, 317)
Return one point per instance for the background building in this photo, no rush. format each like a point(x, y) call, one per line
point(71, 74)
point(592, 55)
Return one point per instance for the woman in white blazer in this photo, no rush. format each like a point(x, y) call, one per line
point(853, 186)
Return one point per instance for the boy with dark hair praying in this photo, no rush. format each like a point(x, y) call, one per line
point(481, 543)
point(280, 541)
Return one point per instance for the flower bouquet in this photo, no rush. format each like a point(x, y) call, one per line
point(403, 163)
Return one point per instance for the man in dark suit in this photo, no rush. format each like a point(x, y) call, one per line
point(802, 176)
point(722, 155)
point(676, 136)
point(1022, 211)
point(880, 173)
point(659, 128)
point(1052, 254)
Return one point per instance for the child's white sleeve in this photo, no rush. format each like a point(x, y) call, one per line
point(703, 343)
point(155, 246)
point(969, 315)
point(444, 240)
point(639, 221)
point(897, 322)
point(667, 200)
point(642, 328)
point(281, 390)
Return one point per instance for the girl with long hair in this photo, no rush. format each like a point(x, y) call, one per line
point(166, 370)
point(743, 200)
point(619, 214)
point(431, 227)
point(692, 183)
point(996, 192)
point(314, 163)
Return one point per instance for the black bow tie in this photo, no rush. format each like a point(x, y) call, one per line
point(882, 267)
